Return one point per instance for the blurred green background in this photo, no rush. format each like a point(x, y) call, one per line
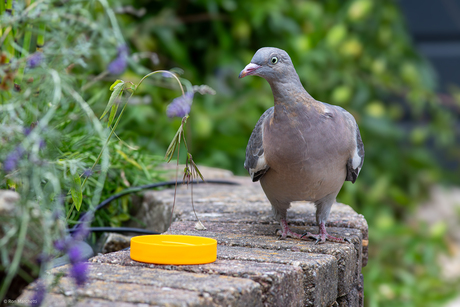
point(354, 53)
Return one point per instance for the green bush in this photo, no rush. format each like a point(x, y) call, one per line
point(57, 63)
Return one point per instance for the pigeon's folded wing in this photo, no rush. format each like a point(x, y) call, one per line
point(255, 161)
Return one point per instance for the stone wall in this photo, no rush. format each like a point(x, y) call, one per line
point(253, 267)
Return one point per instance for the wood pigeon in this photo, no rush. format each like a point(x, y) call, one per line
point(301, 149)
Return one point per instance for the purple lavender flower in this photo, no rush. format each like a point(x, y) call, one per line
point(39, 294)
point(74, 255)
point(180, 106)
point(62, 245)
point(87, 173)
point(35, 59)
point(78, 269)
point(11, 161)
point(120, 63)
point(79, 272)
point(82, 230)
point(27, 130)
point(41, 144)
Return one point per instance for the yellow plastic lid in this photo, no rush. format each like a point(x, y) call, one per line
point(173, 249)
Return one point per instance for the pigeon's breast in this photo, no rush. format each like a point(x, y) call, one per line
point(306, 153)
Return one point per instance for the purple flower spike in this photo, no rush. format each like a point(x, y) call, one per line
point(27, 131)
point(82, 230)
point(87, 173)
point(180, 106)
point(11, 161)
point(41, 144)
point(79, 272)
point(35, 59)
point(74, 255)
point(39, 294)
point(120, 63)
point(61, 245)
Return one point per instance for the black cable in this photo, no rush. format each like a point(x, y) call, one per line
point(144, 187)
point(119, 229)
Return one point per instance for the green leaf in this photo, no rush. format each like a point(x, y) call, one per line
point(195, 167)
point(172, 147)
point(77, 196)
point(115, 83)
point(117, 90)
point(128, 159)
point(112, 114)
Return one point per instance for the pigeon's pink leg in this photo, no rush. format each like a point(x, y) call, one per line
point(286, 232)
point(323, 236)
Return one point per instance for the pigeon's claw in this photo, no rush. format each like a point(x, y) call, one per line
point(323, 236)
point(286, 232)
point(320, 238)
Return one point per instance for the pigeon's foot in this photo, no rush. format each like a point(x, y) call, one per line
point(323, 236)
point(286, 232)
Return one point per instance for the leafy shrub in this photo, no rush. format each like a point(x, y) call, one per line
point(56, 153)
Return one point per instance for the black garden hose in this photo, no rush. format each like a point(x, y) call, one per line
point(137, 189)
point(86, 249)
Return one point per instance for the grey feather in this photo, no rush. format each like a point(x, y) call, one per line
point(255, 149)
point(352, 173)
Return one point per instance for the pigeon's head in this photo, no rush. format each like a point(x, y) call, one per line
point(269, 63)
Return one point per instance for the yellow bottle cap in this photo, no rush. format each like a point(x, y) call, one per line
point(173, 249)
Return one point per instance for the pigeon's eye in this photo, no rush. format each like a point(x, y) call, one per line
point(274, 60)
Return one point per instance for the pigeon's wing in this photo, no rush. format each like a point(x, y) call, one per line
point(356, 159)
point(355, 162)
point(255, 162)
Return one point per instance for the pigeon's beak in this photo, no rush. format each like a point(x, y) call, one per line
point(248, 70)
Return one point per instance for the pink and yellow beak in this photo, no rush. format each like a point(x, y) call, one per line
point(248, 70)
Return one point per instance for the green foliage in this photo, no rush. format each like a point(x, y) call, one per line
point(48, 131)
point(55, 151)
point(405, 272)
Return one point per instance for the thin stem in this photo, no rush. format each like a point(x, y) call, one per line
point(175, 185)
point(97, 78)
point(158, 71)
point(127, 101)
point(110, 135)
point(193, 206)
point(184, 121)
point(113, 20)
